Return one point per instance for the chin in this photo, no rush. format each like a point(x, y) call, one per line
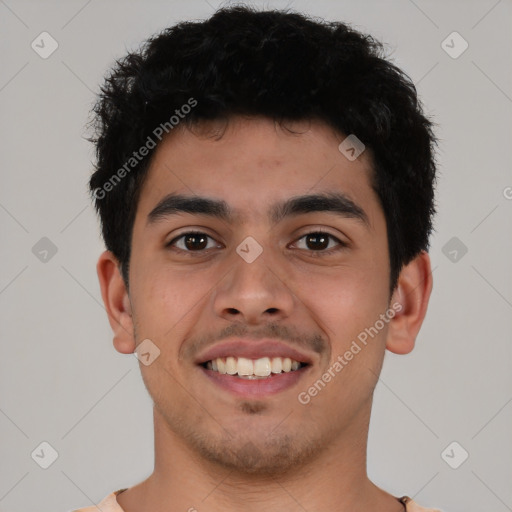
point(268, 457)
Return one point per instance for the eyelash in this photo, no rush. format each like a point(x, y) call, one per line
point(320, 253)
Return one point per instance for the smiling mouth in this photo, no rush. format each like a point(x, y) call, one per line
point(251, 369)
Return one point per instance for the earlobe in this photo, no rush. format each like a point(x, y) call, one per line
point(412, 294)
point(117, 302)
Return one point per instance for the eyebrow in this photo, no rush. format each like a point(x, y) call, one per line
point(334, 202)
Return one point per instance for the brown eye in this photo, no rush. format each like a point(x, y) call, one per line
point(319, 241)
point(191, 242)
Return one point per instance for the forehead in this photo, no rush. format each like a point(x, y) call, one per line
point(255, 163)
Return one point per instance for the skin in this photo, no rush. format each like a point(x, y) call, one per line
point(216, 451)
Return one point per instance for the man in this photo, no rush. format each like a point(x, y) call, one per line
point(265, 188)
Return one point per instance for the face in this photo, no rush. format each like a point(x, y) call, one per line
point(252, 293)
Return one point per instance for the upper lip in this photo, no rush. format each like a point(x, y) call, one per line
point(253, 349)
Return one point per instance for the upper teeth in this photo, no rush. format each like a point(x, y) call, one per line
point(262, 367)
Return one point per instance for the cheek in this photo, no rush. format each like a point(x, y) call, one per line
point(346, 299)
point(167, 303)
point(347, 304)
point(164, 295)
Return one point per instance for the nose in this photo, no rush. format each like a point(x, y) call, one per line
point(253, 293)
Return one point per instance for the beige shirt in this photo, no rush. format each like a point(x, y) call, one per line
point(109, 504)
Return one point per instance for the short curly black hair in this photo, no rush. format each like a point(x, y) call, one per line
point(278, 64)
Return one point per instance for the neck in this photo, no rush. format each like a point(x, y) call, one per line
point(335, 479)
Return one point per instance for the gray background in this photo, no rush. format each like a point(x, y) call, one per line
point(62, 382)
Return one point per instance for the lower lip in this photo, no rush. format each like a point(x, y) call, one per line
point(252, 388)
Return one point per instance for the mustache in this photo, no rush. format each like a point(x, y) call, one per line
point(273, 330)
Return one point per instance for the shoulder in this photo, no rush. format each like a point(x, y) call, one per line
point(107, 504)
point(412, 506)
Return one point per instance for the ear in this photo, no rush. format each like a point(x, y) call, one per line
point(412, 293)
point(117, 302)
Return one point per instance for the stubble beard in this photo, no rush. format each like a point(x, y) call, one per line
point(248, 452)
